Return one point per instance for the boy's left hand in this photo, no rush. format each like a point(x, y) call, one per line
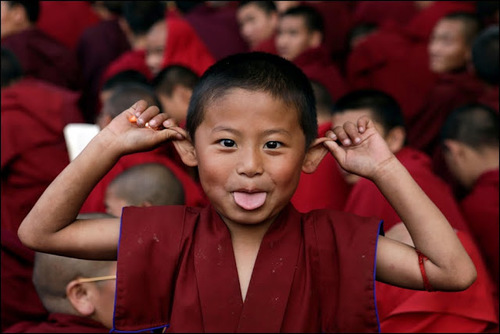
point(359, 148)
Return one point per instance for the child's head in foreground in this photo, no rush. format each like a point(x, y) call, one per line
point(251, 121)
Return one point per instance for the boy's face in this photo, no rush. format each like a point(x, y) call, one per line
point(447, 48)
point(255, 24)
point(250, 149)
point(293, 37)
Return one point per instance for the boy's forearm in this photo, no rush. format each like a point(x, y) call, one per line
point(430, 231)
point(61, 202)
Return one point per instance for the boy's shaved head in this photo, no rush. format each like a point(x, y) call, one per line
point(125, 95)
point(52, 273)
point(149, 182)
point(256, 71)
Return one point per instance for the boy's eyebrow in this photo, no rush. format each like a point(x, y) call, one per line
point(221, 128)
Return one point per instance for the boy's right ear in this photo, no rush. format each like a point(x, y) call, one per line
point(186, 150)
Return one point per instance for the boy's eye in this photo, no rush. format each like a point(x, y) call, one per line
point(227, 142)
point(273, 144)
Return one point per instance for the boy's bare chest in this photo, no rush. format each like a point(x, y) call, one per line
point(245, 257)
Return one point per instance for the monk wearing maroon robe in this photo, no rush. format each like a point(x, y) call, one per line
point(108, 37)
point(184, 294)
point(395, 59)
point(366, 200)
point(300, 39)
point(19, 299)
point(480, 208)
point(217, 27)
point(59, 323)
point(32, 159)
point(317, 65)
point(469, 141)
point(66, 21)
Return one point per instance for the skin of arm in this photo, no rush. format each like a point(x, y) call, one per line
point(51, 226)
point(364, 152)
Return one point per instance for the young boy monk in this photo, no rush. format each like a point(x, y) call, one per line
point(249, 262)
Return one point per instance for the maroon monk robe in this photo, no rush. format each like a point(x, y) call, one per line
point(129, 60)
point(314, 272)
point(450, 91)
point(185, 47)
point(45, 58)
point(490, 97)
point(480, 208)
point(59, 323)
point(323, 189)
point(267, 45)
point(380, 12)
point(19, 299)
point(337, 19)
point(388, 60)
point(218, 28)
point(66, 20)
point(34, 152)
point(468, 311)
point(193, 194)
point(365, 199)
point(108, 37)
point(422, 24)
point(317, 65)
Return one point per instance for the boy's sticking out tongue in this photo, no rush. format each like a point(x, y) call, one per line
point(249, 201)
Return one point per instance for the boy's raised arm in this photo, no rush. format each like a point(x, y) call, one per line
point(51, 225)
point(449, 267)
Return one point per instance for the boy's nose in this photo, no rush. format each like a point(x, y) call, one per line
point(250, 163)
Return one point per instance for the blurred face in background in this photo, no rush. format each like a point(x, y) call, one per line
point(448, 49)
point(255, 24)
point(294, 38)
point(156, 40)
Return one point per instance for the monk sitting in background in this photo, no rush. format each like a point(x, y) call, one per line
point(402, 310)
point(300, 39)
point(485, 61)
point(40, 55)
point(258, 22)
point(450, 59)
point(469, 138)
point(143, 185)
point(79, 294)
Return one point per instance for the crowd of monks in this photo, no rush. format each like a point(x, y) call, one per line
point(70, 50)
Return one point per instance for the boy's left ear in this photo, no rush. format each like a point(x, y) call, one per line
point(315, 153)
point(186, 150)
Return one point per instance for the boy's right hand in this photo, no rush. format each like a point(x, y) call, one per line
point(149, 129)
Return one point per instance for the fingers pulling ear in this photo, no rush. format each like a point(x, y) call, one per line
point(79, 297)
point(186, 150)
point(314, 155)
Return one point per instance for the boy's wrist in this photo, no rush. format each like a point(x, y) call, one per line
point(388, 170)
point(106, 143)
